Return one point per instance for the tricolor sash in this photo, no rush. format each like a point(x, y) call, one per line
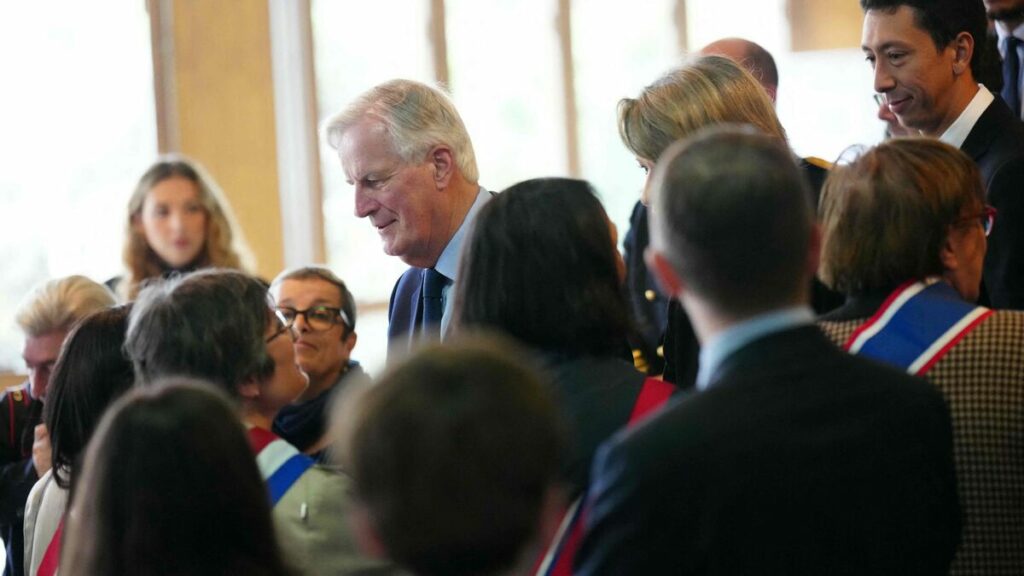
point(558, 558)
point(51, 558)
point(280, 463)
point(916, 326)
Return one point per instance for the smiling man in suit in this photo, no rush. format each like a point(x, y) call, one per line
point(791, 456)
point(404, 147)
point(926, 55)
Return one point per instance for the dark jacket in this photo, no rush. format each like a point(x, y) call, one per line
point(797, 459)
point(19, 415)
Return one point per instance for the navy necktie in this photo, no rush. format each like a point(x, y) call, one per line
point(433, 305)
point(1011, 75)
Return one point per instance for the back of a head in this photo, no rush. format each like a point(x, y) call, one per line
point(732, 214)
point(453, 455)
point(752, 56)
point(416, 117)
point(540, 266)
point(943, 20)
point(208, 325)
point(92, 372)
point(58, 304)
point(170, 487)
point(705, 91)
point(886, 216)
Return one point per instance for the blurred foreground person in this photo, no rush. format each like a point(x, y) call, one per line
point(454, 456)
point(169, 488)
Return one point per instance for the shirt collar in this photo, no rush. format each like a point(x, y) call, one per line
point(1003, 33)
point(726, 343)
point(958, 130)
point(448, 262)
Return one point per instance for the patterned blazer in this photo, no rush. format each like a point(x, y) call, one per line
point(982, 379)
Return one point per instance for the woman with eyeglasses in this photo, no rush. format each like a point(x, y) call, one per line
point(904, 236)
point(323, 312)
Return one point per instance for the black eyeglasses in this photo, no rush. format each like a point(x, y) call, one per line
point(987, 219)
point(283, 325)
point(319, 318)
point(879, 99)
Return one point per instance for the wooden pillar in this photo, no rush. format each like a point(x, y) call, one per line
point(824, 24)
point(215, 101)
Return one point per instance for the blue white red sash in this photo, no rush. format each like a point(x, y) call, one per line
point(280, 463)
point(51, 557)
point(557, 559)
point(916, 325)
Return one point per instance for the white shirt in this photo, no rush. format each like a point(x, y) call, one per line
point(959, 129)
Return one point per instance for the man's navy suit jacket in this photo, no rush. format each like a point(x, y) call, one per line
point(405, 311)
point(996, 143)
point(798, 459)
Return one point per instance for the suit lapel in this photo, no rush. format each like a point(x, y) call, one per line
point(985, 130)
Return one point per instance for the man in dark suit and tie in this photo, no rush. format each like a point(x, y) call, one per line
point(404, 147)
point(926, 55)
point(791, 456)
point(1008, 16)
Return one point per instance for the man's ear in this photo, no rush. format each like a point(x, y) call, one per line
point(443, 162)
point(366, 534)
point(669, 281)
point(963, 51)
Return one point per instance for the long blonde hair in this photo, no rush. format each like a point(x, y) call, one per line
point(224, 245)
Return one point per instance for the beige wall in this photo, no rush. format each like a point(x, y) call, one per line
point(215, 103)
point(824, 24)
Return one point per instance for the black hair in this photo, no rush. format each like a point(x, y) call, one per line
point(92, 372)
point(943, 20)
point(540, 266)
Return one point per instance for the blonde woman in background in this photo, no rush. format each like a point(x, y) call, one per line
point(178, 221)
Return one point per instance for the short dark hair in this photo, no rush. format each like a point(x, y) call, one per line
point(170, 486)
point(92, 372)
point(943, 20)
point(453, 454)
point(732, 213)
point(208, 324)
point(348, 302)
point(540, 266)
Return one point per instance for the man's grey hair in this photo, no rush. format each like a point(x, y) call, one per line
point(60, 303)
point(416, 118)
